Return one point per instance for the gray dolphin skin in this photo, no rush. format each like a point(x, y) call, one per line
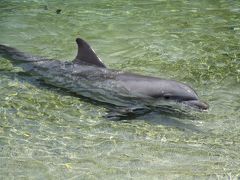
point(87, 76)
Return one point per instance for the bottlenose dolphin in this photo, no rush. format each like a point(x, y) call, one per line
point(88, 76)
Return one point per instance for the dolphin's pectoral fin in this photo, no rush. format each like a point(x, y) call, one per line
point(127, 113)
point(87, 55)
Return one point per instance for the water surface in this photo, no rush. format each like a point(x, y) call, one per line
point(46, 133)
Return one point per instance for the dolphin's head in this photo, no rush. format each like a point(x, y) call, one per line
point(175, 91)
point(160, 90)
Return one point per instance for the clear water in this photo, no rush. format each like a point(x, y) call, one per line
point(46, 133)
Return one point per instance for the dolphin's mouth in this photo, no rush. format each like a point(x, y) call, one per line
point(197, 104)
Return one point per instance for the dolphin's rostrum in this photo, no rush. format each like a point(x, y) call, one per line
point(87, 76)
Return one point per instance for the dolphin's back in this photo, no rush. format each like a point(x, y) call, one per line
point(88, 81)
point(17, 56)
point(81, 78)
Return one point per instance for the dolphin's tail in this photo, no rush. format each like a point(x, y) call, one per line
point(17, 56)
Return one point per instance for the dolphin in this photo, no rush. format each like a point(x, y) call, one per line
point(88, 76)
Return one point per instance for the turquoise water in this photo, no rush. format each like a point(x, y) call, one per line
point(46, 133)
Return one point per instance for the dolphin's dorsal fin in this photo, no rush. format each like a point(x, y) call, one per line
point(87, 55)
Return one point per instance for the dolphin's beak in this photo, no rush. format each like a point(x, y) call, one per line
point(197, 104)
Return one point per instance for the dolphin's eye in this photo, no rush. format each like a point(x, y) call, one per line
point(167, 96)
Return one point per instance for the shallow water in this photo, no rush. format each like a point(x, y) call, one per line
point(46, 133)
